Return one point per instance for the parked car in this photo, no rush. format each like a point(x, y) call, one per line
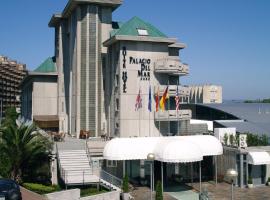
point(9, 190)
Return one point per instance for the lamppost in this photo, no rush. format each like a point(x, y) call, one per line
point(151, 158)
point(231, 174)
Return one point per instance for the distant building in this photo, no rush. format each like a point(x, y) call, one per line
point(11, 75)
point(206, 94)
point(39, 98)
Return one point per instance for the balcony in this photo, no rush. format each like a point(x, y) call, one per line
point(171, 66)
point(173, 115)
point(182, 90)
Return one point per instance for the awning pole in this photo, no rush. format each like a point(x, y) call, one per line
point(151, 183)
point(153, 176)
point(124, 168)
point(191, 173)
point(216, 169)
point(200, 173)
point(162, 177)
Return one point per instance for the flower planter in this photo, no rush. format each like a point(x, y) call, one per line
point(125, 196)
point(250, 185)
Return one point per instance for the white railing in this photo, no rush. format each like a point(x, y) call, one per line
point(171, 66)
point(111, 179)
point(173, 115)
point(183, 90)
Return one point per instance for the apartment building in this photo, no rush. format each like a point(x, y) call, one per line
point(11, 75)
point(206, 94)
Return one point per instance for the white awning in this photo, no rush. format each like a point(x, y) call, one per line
point(166, 149)
point(209, 145)
point(177, 151)
point(258, 158)
point(129, 148)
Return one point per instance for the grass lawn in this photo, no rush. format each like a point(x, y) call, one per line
point(92, 191)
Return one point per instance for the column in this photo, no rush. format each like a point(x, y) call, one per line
point(241, 184)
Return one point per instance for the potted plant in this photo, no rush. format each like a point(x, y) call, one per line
point(268, 181)
point(250, 182)
point(159, 194)
point(125, 194)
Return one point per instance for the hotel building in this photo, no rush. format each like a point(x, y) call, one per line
point(102, 65)
point(11, 75)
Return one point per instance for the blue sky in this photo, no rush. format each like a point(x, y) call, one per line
point(228, 41)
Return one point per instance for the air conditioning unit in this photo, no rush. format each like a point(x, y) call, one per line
point(242, 140)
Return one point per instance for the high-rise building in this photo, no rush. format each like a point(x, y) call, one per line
point(11, 75)
point(206, 94)
point(81, 57)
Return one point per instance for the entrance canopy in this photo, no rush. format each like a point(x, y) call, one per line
point(175, 149)
point(258, 158)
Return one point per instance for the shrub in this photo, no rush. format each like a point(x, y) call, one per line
point(41, 189)
point(125, 184)
point(225, 139)
point(159, 194)
point(250, 181)
point(268, 180)
point(232, 139)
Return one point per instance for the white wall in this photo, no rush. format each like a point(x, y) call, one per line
point(44, 98)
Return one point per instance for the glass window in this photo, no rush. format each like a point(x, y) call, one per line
point(142, 32)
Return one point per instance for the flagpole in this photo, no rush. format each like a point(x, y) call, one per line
point(149, 104)
point(178, 108)
point(168, 109)
point(140, 113)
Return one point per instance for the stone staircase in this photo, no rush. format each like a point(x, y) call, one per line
point(75, 168)
point(75, 165)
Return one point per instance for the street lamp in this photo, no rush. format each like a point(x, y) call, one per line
point(151, 158)
point(231, 174)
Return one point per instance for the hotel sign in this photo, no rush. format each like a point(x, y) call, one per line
point(144, 71)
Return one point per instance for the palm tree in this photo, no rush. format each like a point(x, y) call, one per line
point(21, 144)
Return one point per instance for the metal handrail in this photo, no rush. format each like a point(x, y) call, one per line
point(111, 179)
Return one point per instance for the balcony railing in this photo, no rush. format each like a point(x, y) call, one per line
point(182, 90)
point(171, 66)
point(173, 115)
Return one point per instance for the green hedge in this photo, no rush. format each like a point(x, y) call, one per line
point(41, 189)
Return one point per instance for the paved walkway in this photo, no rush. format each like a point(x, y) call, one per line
point(143, 193)
point(223, 192)
point(220, 192)
point(28, 195)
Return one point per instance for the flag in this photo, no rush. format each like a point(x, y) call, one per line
point(177, 99)
point(163, 99)
point(157, 99)
point(138, 103)
point(150, 100)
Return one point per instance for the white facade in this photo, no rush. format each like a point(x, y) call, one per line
point(141, 58)
point(39, 95)
point(206, 94)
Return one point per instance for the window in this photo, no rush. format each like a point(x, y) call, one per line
point(142, 32)
point(111, 163)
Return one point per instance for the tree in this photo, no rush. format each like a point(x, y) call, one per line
point(125, 184)
point(21, 145)
point(225, 139)
point(232, 139)
point(10, 116)
point(159, 193)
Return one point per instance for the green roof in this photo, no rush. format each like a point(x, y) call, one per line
point(47, 66)
point(131, 28)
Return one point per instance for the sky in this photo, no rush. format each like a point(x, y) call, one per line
point(228, 41)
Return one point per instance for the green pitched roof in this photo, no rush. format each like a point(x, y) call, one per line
point(47, 66)
point(131, 28)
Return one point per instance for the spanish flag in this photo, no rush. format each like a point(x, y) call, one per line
point(157, 99)
point(163, 99)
